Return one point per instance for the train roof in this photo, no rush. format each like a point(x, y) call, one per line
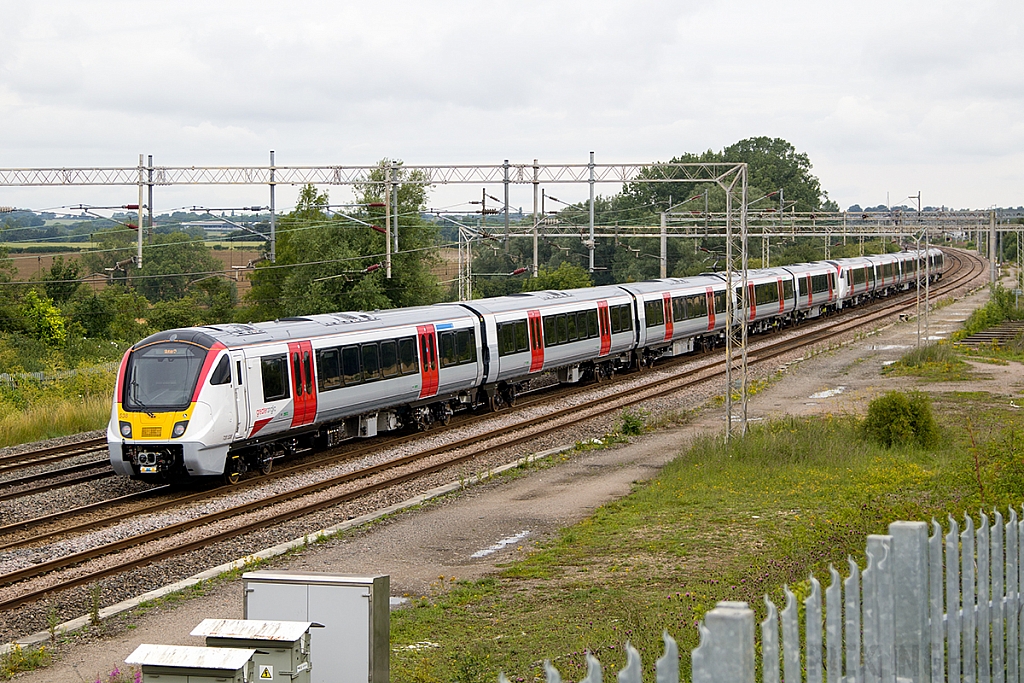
point(542, 299)
point(308, 326)
point(660, 285)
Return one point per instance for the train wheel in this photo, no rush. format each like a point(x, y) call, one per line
point(266, 460)
point(497, 401)
point(444, 414)
point(233, 470)
point(510, 395)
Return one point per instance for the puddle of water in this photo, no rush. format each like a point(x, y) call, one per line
point(828, 393)
point(509, 540)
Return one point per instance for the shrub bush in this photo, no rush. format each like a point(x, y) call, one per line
point(900, 419)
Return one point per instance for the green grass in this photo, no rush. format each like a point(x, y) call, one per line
point(717, 524)
point(60, 418)
point(934, 362)
point(20, 659)
point(33, 410)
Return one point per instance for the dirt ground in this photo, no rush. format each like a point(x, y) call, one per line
point(466, 535)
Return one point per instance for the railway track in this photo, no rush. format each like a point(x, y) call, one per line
point(48, 456)
point(258, 514)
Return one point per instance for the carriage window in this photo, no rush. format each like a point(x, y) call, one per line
point(522, 342)
point(465, 346)
point(506, 339)
point(679, 308)
point(407, 356)
point(550, 338)
point(561, 333)
point(654, 312)
point(592, 324)
point(624, 319)
point(720, 302)
point(787, 289)
point(389, 358)
point(350, 365)
point(448, 356)
point(697, 306)
point(275, 373)
point(328, 366)
point(222, 374)
point(570, 326)
point(297, 373)
point(308, 367)
point(371, 362)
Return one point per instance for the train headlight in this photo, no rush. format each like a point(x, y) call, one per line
point(179, 429)
point(126, 429)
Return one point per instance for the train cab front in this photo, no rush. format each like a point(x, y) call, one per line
point(154, 404)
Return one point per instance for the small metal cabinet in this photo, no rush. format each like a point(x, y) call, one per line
point(186, 664)
point(354, 644)
point(282, 647)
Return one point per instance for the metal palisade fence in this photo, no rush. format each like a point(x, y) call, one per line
point(928, 608)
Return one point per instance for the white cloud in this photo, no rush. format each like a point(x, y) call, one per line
point(876, 93)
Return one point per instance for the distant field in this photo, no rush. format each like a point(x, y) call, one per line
point(31, 265)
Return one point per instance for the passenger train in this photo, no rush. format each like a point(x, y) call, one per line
point(222, 400)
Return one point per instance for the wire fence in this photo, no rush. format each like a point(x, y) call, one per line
point(13, 380)
point(926, 609)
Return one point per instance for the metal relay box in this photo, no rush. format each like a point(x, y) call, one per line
point(354, 644)
point(282, 647)
point(187, 664)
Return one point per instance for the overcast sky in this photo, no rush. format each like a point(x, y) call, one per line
point(885, 97)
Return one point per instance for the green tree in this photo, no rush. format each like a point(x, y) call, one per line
point(565, 276)
point(114, 253)
point(170, 263)
point(62, 280)
point(45, 320)
point(328, 262)
point(92, 315)
point(175, 313)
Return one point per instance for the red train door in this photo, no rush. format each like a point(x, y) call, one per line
point(536, 340)
point(666, 299)
point(303, 394)
point(711, 308)
point(782, 297)
point(604, 327)
point(751, 301)
point(810, 292)
point(428, 360)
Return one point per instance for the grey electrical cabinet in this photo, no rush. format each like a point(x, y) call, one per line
point(186, 664)
point(282, 647)
point(354, 644)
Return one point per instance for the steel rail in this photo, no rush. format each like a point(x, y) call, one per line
point(43, 456)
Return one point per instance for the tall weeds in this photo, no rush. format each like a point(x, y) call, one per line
point(61, 417)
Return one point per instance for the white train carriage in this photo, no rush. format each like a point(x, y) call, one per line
point(817, 289)
point(771, 299)
point(856, 279)
point(677, 315)
point(581, 332)
point(888, 275)
point(225, 399)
